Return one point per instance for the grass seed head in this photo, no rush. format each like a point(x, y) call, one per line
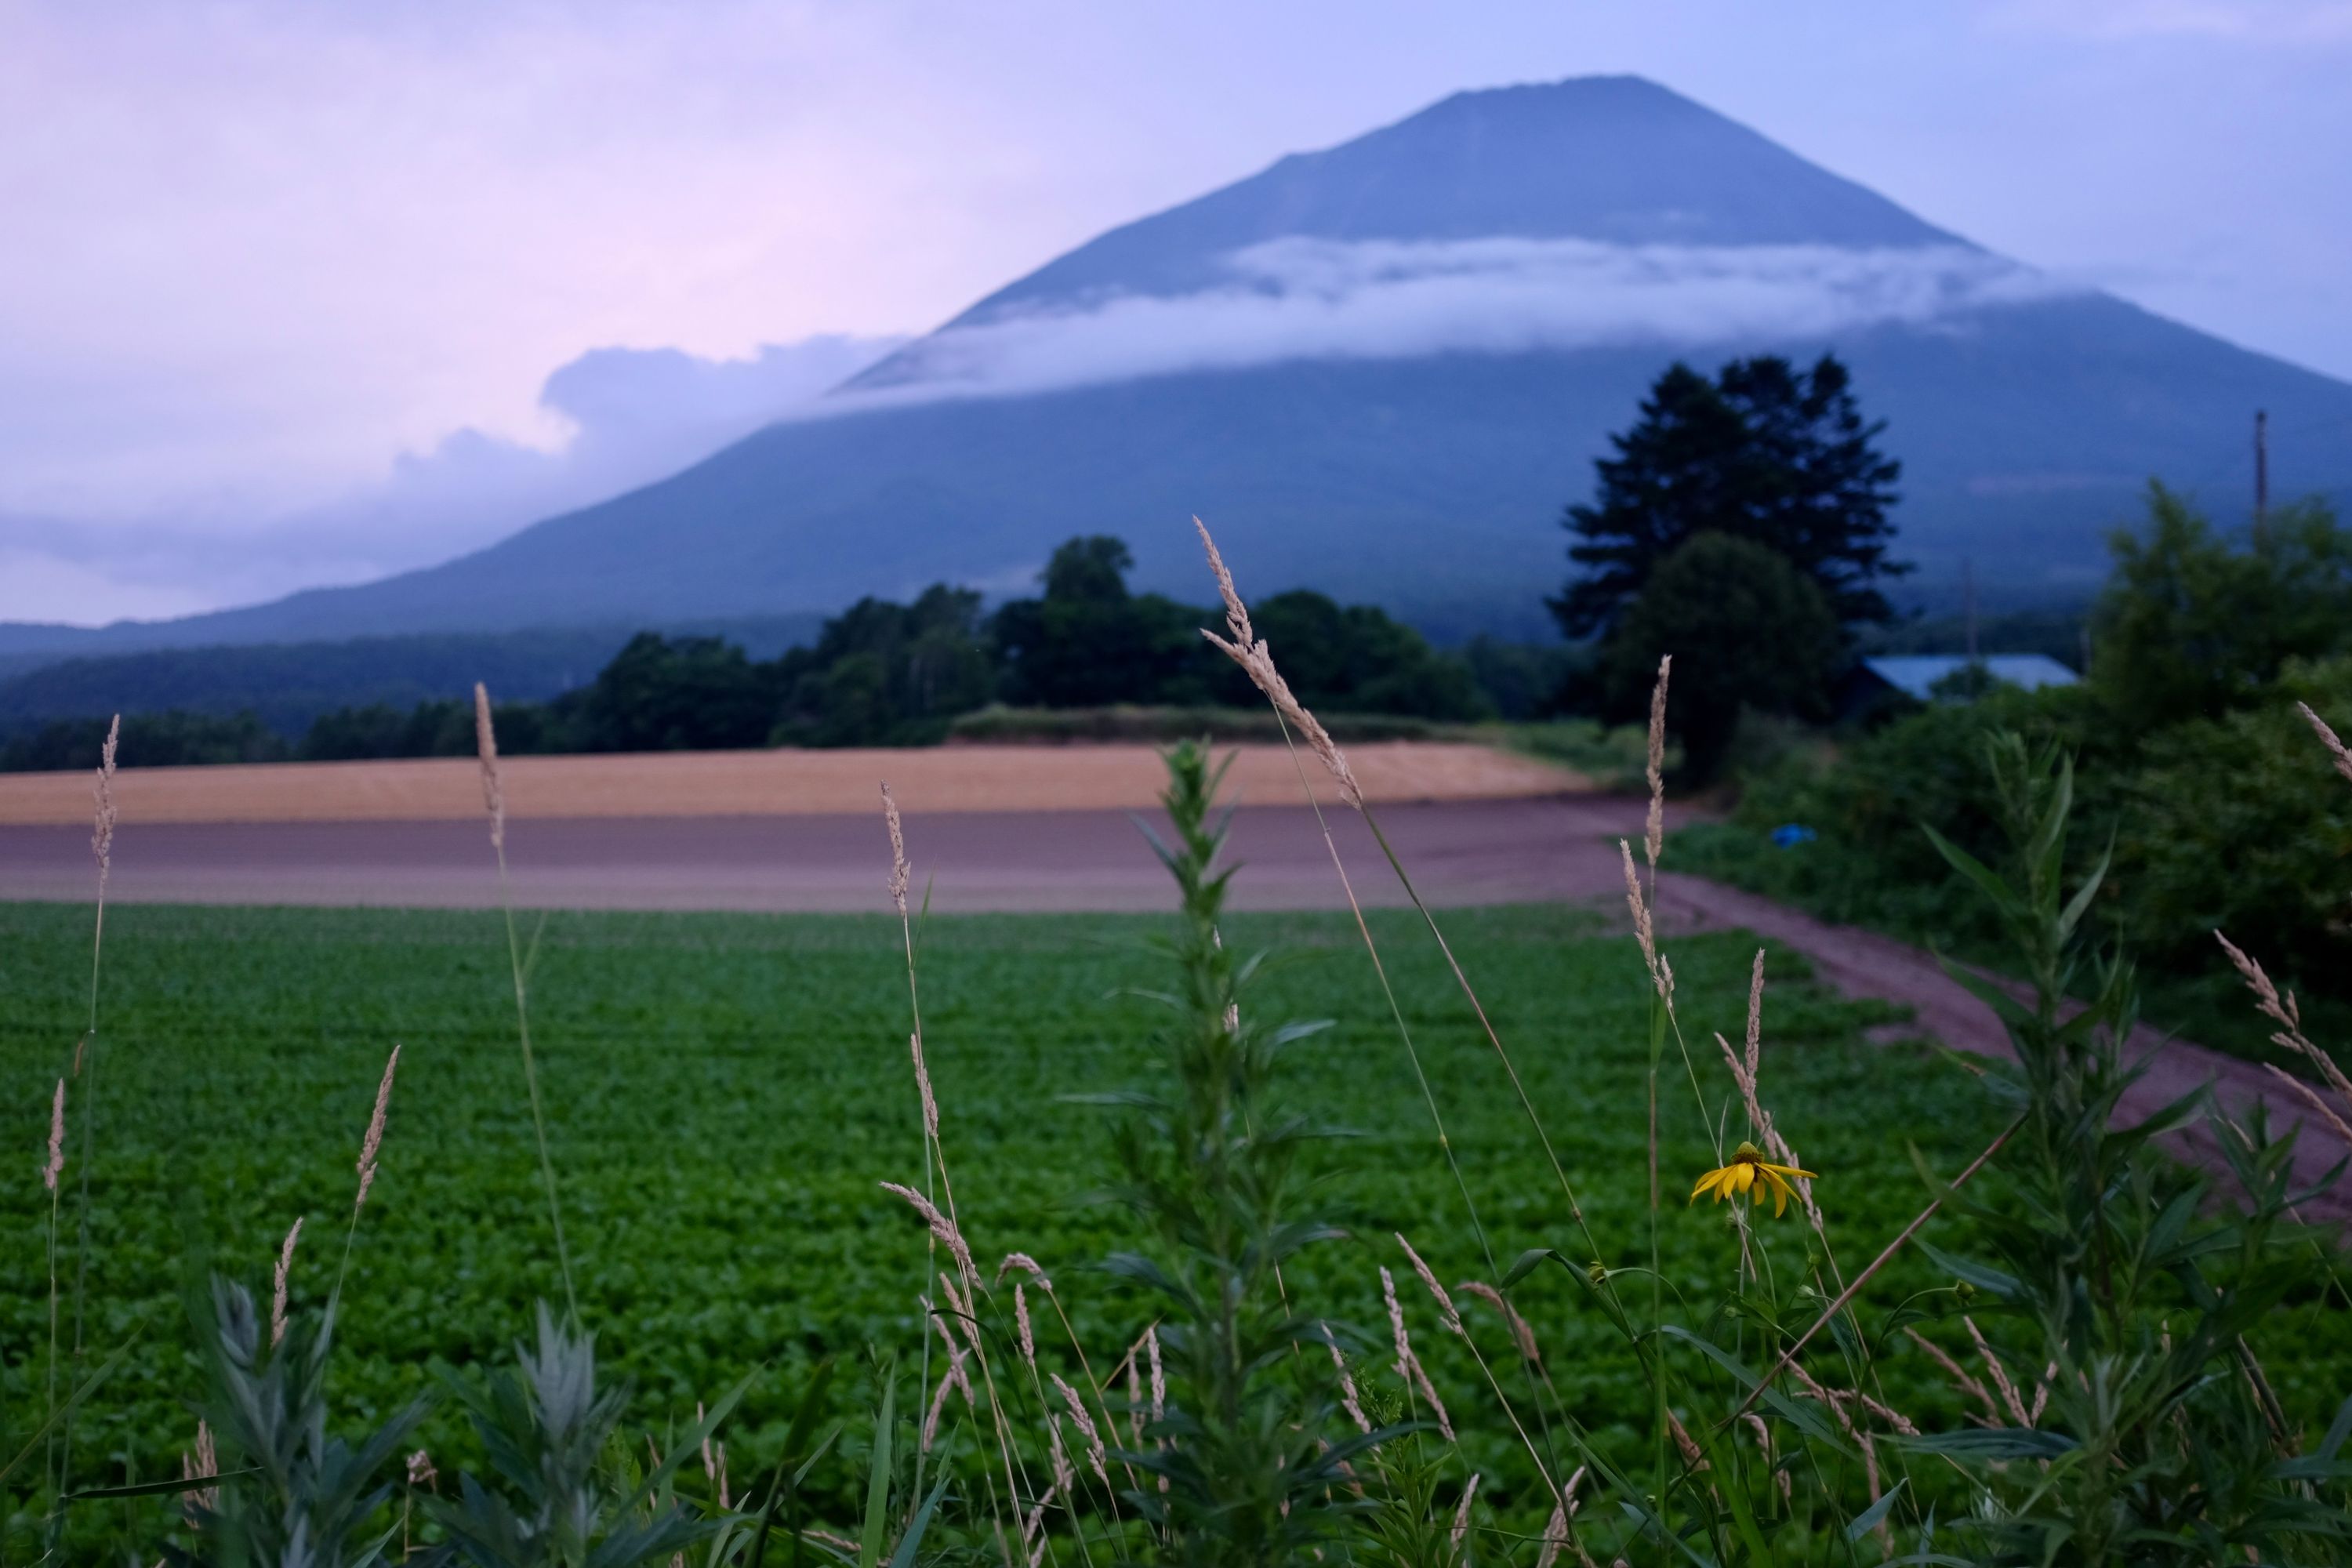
point(1444, 1303)
point(373, 1142)
point(1408, 1365)
point(1256, 661)
point(900, 873)
point(1348, 1399)
point(1096, 1453)
point(966, 1317)
point(485, 746)
point(1756, 1016)
point(2327, 738)
point(278, 1290)
point(1028, 1265)
point(1461, 1514)
point(1237, 619)
point(1654, 837)
point(956, 1352)
point(204, 1463)
point(56, 1164)
point(102, 819)
point(1522, 1336)
point(1645, 930)
point(947, 1381)
point(923, 1083)
point(1402, 1340)
point(1554, 1536)
point(1065, 1479)
point(943, 1228)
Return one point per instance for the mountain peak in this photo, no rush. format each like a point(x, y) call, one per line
point(1612, 159)
point(1611, 96)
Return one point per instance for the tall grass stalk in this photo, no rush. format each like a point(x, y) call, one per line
point(494, 804)
point(935, 1158)
point(1255, 660)
point(1210, 1158)
point(50, 1171)
point(371, 1145)
point(1429, 1097)
point(85, 1067)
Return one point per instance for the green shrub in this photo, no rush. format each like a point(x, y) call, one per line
point(2123, 1272)
point(2194, 623)
point(2238, 825)
point(1746, 630)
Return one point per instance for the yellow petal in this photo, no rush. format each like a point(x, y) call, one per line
point(1743, 1176)
point(1792, 1171)
point(1704, 1184)
point(1779, 1191)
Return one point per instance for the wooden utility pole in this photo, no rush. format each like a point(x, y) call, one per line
point(1969, 601)
point(2261, 470)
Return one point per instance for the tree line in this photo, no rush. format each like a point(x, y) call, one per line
point(884, 674)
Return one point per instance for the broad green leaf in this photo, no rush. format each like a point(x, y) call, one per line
point(1869, 1518)
point(879, 1469)
point(912, 1542)
point(1994, 1443)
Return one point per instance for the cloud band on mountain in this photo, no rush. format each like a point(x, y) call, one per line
point(1307, 298)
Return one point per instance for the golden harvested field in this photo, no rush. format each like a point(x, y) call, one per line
point(759, 783)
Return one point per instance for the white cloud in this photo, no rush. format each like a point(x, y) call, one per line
point(621, 417)
point(2285, 23)
point(630, 416)
point(1307, 298)
point(43, 584)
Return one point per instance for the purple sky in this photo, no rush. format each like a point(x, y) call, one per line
point(273, 272)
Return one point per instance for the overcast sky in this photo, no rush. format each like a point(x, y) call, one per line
point(262, 265)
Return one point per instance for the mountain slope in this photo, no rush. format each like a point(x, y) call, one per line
point(1382, 370)
point(1614, 159)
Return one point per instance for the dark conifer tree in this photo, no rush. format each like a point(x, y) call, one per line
point(1764, 452)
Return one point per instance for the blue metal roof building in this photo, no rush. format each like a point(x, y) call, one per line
point(1915, 674)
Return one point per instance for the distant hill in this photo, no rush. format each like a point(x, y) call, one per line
point(286, 685)
point(1382, 369)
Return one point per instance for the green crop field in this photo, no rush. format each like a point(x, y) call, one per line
point(724, 1094)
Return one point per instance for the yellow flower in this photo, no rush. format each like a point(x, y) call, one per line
point(1753, 1175)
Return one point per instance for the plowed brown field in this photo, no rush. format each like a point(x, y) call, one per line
point(756, 783)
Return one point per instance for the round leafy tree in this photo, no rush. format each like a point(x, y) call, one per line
point(1745, 630)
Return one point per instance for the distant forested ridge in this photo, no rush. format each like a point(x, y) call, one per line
point(286, 686)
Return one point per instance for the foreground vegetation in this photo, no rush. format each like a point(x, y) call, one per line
point(723, 1091)
point(2057, 1346)
point(2193, 759)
